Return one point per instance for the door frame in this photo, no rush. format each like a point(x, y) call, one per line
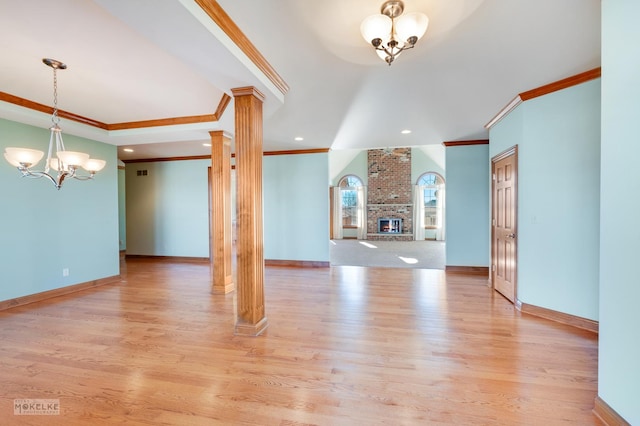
point(512, 151)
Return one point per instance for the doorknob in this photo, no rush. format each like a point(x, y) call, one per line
point(511, 236)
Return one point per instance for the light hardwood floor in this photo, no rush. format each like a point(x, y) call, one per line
point(345, 346)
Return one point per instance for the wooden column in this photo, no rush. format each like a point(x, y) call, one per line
point(221, 249)
point(251, 320)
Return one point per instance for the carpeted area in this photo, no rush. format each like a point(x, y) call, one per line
point(388, 254)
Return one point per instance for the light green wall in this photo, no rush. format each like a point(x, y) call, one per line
point(357, 165)
point(122, 209)
point(558, 137)
point(428, 158)
point(45, 230)
point(619, 365)
point(467, 209)
point(507, 132)
point(296, 207)
point(423, 159)
point(168, 209)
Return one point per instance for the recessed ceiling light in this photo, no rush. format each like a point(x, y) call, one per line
point(299, 138)
point(206, 144)
point(127, 150)
point(405, 131)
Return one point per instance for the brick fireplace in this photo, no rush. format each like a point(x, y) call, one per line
point(389, 190)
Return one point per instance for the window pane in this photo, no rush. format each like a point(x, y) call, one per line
point(349, 197)
point(430, 216)
point(428, 179)
point(350, 181)
point(432, 202)
point(429, 197)
point(349, 207)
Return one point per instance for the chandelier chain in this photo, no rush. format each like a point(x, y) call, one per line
point(54, 118)
point(65, 163)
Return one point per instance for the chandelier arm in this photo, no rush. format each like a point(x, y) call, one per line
point(71, 172)
point(383, 49)
point(91, 175)
point(400, 49)
point(32, 175)
point(37, 175)
point(24, 158)
point(389, 53)
point(61, 176)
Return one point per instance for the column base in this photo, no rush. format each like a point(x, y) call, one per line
point(226, 288)
point(245, 329)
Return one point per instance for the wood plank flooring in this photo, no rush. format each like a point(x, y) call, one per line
point(345, 346)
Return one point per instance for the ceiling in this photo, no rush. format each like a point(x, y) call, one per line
point(137, 60)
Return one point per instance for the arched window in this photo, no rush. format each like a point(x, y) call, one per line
point(349, 195)
point(432, 185)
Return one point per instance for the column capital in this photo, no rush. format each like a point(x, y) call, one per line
point(248, 91)
point(223, 133)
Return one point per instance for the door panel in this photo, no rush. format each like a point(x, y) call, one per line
point(504, 223)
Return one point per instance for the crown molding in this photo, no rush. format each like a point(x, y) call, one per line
point(545, 90)
point(296, 152)
point(504, 111)
point(172, 121)
point(157, 160)
point(208, 157)
point(222, 106)
point(562, 84)
point(222, 20)
point(464, 143)
point(26, 103)
point(162, 122)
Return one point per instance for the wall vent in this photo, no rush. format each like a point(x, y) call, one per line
point(141, 172)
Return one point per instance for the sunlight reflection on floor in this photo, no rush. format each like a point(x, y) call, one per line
point(367, 244)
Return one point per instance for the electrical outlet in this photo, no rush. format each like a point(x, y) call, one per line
point(65, 272)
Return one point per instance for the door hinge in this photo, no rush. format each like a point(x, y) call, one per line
point(494, 176)
point(493, 267)
point(493, 222)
